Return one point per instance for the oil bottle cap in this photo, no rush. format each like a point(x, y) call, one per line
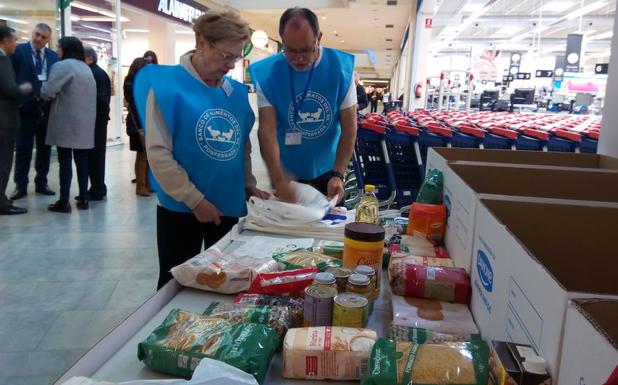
point(358, 279)
point(370, 188)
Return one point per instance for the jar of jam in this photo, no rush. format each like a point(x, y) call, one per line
point(360, 284)
point(325, 280)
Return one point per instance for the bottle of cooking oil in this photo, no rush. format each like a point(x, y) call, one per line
point(367, 209)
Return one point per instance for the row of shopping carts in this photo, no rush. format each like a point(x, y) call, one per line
point(391, 149)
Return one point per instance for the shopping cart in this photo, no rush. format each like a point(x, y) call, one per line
point(372, 163)
point(433, 136)
point(406, 163)
point(500, 138)
point(589, 142)
point(563, 141)
point(530, 139)
point(467, 136)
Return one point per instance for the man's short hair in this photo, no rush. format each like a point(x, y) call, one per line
point(6, 32)
point(305, 13)
point(90, 52)
point(44, 26)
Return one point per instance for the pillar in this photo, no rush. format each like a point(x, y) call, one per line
point(608, 141)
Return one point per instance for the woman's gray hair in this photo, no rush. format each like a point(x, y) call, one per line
point(216, 26)
point(90, 52)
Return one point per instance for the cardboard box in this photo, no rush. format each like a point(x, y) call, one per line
point(464, 184)
point(590, 344)
point(530, 260)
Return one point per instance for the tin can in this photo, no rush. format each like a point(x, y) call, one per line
point(350, 309)
point(341, 276)
point(318, 306)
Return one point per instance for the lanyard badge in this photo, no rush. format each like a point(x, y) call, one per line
point(294, 135)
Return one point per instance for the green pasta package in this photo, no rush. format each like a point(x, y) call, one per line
point(177, 346)
point(402, 363)
point(303, 258)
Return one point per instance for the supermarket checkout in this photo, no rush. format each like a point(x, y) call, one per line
point(197, 140)
point(307, 108)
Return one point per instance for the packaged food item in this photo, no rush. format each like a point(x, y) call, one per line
point(177, 345)
point(432, 188)
point(361, 284)
point(294, 304)
point(325, 279)
point(302, 258)
point(351, 310)
point(412, 259)
point(442, 317)
point(287, 283)
point(318, 307)
point(425, 336)
point(330, 248)
point(442, 252)
point(417, 245)
point(363, 244)
point(341, 277)
point(428, 221)
point(516, 364)
point(226, 273)
point(450, 284)
point(277, 317)
point(327, 353)
point(402, 363)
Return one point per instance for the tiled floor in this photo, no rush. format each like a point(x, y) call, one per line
point(68, 279)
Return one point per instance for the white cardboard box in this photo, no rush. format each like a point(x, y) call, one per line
point(530, 259)
point(464, 181)
point(590, 344)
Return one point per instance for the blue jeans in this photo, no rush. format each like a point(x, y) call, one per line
point(65, 156)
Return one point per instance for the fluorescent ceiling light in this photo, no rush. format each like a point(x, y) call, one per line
point(586, 9)
point(604, 35)
point(90, 8)
point(136, 30)
point(595, 55)
point(13, 20)
point(508, 31)
point(75, 18)
point(557, 6)
point(103, 18)
point(182, 32)
point(99, 38)
point(95, 28)
point(472, 7)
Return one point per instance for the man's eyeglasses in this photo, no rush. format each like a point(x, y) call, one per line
point(302, 51)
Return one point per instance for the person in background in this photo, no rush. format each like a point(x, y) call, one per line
point(373, 98)
point(307, 109)
point(361, 95)
point(197, 124)
point(10, 94)
point(32, 63)
point(96, 156)
point(135, 130)
point(151, 57)
point(73, 90)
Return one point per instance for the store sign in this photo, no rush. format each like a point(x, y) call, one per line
point(544, 73)
point(523, 76)
point(573, 52)
point(484, 64)
point(559, 69)
point(183, 11)
point(601, 69)
point(428, 22)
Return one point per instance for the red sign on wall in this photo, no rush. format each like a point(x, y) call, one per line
point(428, 22)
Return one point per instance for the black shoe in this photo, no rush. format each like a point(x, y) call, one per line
point(45, 190)
point(61, 206)
point(82, 203)
point(133, 180)
point(12, 210)
point(94, 196)
point(18, 194)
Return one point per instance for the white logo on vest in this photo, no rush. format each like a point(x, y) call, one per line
point(218, 134)
point(314, 116)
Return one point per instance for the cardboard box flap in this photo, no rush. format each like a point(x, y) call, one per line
point(575, 244)
point(544, 183)
point(526, 157)
point(608, 162)
point(603, 315)
point(534, 166)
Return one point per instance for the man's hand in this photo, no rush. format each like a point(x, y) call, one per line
point(25, 88)
point(206, 212)
point(285, 192)
point(253, 191)
point(335, 186)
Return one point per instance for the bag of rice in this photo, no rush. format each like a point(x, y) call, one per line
point(450, 284)
point(177, 345)
point(277, 317)
point(225, 273)
point(402, 363)
point(442, 317)
point(301, 258)
point(424, 336)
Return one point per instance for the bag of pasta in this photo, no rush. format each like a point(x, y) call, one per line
point(277, 317)
point(302, 258)
point(402, 363)
point(177, 346)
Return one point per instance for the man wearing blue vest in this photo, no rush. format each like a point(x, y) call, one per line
point(307, 109)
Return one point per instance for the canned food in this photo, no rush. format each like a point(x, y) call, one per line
point(360, 284)
point(341, 276)
point(375, 290)
point(318, 306)
point(350, 309)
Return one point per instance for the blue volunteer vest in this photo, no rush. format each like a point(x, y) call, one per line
point(209, 130)
point(317, 117)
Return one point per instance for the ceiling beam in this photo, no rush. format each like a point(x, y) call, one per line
point(284, 4)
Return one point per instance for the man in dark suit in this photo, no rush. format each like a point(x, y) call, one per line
point(96, 156)
point(32, 62)
point(10, 94)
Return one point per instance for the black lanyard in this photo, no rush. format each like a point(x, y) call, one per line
point(304, 94)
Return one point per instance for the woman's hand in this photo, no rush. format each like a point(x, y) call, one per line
point(253, 191)
point(206, 212)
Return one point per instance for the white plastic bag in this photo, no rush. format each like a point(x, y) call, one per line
point(208, 372)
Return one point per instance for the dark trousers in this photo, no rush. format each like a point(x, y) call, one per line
point(374, 106)
point(65, 157)
point(321, 184)
point(33, 128)
point(7, 144)
point(96, 160)
point(180, 237)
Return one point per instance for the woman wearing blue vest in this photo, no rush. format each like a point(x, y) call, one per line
point(197, 125)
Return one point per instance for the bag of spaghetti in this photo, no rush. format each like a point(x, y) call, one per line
point(402, 363)
point(277, 317)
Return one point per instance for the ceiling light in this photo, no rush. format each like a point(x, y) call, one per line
point(13, 20)
point(95, 28)
point(323, 17)
point(75, 18)
point(508, 31)
point(184, 32)
point(604, 35)
point(99, 38)
point(472, 7)
point(585, 10)
point(557, 6)
point(90, 8)
point(103, 18)
point(135, 30)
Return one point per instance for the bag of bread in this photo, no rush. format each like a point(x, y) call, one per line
point(277, 317)
point(177, 345)
point(402, 363)
point(327, 353)
point(450, 284)
point(225, 273)
point(442, 317)
point(302, 258)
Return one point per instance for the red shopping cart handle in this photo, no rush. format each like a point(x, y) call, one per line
point(542, 135)
point(479, 133)
point(406, 129)
point(373, 127)
point(570, 135)
point(505, 132)
point(442, 131)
